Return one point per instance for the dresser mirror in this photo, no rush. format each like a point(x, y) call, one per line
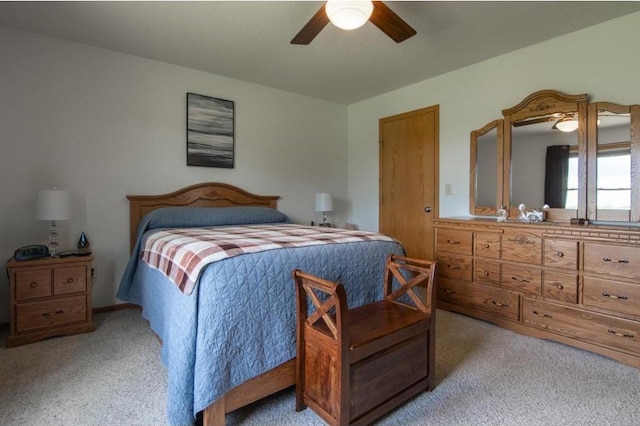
point(545, 154)
point(486, 169)
point(613, 162)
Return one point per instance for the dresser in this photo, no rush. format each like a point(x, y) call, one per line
point(49, 297)
point(575, 284)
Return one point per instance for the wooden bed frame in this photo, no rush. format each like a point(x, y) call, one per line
point(214, 194)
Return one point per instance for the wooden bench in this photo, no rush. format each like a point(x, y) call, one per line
point(355, 365)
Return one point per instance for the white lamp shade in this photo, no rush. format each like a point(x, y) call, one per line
point(348, 14)
point(324, 202)
point(53, 204)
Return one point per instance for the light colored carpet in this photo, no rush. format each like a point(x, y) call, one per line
point(485, 376)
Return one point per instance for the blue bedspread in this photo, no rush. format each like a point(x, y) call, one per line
point(239, 322)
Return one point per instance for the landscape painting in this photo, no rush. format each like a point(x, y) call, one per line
point(210, 131)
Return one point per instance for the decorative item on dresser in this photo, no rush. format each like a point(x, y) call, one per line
point(49, 297)
point(324, 204)
point(573, 279)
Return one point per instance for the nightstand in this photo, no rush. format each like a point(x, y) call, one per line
point(49, 297)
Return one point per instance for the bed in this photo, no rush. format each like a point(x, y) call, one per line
point(231, 340)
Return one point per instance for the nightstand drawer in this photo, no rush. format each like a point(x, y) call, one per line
point(69, 280)
point(33, 284)
point(32, 316)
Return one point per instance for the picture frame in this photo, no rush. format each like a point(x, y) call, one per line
point(210, 131)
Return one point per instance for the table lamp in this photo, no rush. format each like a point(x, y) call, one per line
point(53, 204)
point(324, 204)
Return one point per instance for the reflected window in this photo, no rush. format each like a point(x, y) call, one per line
point(614, 180)
point(572, 182)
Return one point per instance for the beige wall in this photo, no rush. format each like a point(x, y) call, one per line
point(598, 60)
point(104, 124)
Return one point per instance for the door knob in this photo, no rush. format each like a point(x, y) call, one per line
point(427, 209)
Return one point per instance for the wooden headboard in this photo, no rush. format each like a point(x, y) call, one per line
point(209, 194)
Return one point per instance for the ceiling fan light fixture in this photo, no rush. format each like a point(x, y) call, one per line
point(567, 125)
point(349, 14)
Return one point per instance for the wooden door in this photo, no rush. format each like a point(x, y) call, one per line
point(409, 179)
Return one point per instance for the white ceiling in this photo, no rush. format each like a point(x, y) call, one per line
point(249, 41)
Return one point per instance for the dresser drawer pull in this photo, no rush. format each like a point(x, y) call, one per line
point(33, 284)
point(617, 333)
point(606, 259)
point(69, 280)
point(520, 280)
point(453, 242)
point(453, 266)
point(542, 315)
point(560, 287)
point(48, 314)
point(613, 296)
point(486, 245)
point(500, 304)
point(486, 274)
point(449, 291)
point(560, 254)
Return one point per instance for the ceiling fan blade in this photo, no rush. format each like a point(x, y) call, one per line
point(312, 28)
point(390, 23)
point(534, 121)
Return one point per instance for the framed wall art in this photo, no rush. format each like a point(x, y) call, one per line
point(210, 131)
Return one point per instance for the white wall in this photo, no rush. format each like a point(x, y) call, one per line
point(599, 60)
point(104, 124)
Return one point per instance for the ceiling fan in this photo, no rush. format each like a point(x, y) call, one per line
point(565, 122)
point(375, 12)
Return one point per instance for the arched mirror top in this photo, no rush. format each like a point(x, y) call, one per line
point(486, 169)
point(544, 103)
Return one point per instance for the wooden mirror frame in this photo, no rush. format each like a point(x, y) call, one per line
point(543, 103)
point(475, 209)
point(633, 214)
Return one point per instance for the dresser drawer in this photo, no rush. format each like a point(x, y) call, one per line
point(561, 254)
point(492, 301)
point(523, 279)
point(69, 280)
point(35, 315)
point(455, 241)
point(522, 246)
point(560, 286)
point(458, 267)
point(33, 284)
point(623, 261)
point(487, 245)
point(611, 295)
point(487, 272)
point(587, 326)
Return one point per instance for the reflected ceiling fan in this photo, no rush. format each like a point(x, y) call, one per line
point(350, 15)
point(565, 122)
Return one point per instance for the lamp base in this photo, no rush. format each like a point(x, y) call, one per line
point(54, 247)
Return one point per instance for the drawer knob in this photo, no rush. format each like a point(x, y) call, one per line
point(560, 287)
point(486, 274)
point(453, 267)
point(33, 284)
point(542, 314)
point(560, 254)
point(69, 280)
point(500, 304)
point(520, 280)
point(453, 242)
point(613, 296)
point(486, 246)
point(617, 333)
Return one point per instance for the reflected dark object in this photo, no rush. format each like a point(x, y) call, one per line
point(83, 242)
